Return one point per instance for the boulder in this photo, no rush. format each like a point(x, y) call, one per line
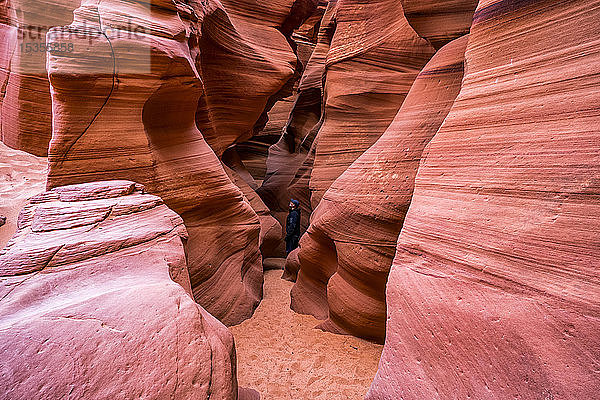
point(96, 302)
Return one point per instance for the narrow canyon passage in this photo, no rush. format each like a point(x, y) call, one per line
point(430, 170)
point(282, 356)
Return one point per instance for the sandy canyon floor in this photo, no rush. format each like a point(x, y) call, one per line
point(282, 356)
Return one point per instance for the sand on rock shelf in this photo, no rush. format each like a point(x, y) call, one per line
point(22, 175)
point(284, 357)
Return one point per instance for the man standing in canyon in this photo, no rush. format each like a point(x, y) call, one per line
point(292, 227)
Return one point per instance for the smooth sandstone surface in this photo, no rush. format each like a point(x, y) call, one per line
point(290, 160)
point(348, 249)
point(373, 59)
point(254, 152)
point(271, 232)
point(25, 104)
point(95, 302)
point(495, 292)
point(247, 64)
point(124, 107)
point(440, 21)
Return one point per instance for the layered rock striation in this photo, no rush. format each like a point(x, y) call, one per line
point(124, 106)
point(25, 104)
point(96, 302)
point(494, 290)
point(373, 59)
point(247, 62)
point(289, 162)
point(348, 249)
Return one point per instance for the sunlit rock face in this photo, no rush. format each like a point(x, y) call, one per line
point(96, 302)
point(124, 106)
point(347, 252)
point(494, 290)
point(373, 59)
point(25, 104)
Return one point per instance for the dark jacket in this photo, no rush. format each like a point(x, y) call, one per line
point(292, 225)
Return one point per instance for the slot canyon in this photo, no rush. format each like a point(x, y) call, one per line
point(300, 199)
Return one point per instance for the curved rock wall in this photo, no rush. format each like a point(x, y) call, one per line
point(495, 292)
point(89, 307)
point(373, 60)
point(247, 63)
point(25, 104)
point(440, 21)
point(356, 225)
point(290, 160)
point(141, 126)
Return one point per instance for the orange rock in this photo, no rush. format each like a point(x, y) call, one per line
point(290, 160)
point(495, 292)
point(89, 307)
point(373, 60)
point(25, 105)
point(271, 232)
point(356, 225)
point(440, 21)
point(139, 124)
point(247, 64)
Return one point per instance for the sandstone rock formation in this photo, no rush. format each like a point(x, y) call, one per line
point(290, 160)
point(254, 152)
point(126, 96)
point(124, 107)
point(373, 60)
point(25, 105)
point(439, 21)
point(495, 291)
point(246, 60)
point(22, 175)
point(271, 231)
point(356, 225)
point(90, 307)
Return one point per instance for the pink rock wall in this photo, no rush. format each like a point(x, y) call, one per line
point(348, 249)
point(247, 63)
point(141, 126)
point(25, 104)
point(373, 60)
point(494, 291)
point(90, 307)
point(289, 162)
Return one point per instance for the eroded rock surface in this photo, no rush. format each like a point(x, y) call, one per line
point(96, 302)
point(22, 175)
point(246, 60)
point(290, 160)
point(494, 291)
point(440, 21)
point(348, 249)
point(137, 121)
point(373, 59)
point(127, 95)
point(25, 104)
